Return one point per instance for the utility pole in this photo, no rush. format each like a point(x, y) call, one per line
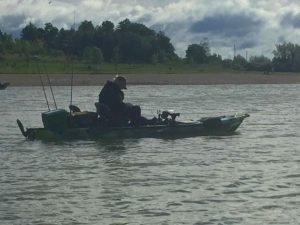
point(234, 51)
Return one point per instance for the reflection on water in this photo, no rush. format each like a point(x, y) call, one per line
point(248, 178)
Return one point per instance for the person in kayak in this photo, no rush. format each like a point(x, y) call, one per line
point(120, 113)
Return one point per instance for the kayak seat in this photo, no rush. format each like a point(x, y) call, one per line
point(83, 119)
point(74, 108)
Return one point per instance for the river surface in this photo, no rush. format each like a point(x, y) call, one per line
point(252, 177)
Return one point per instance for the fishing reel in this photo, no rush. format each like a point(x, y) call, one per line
point(167, 116)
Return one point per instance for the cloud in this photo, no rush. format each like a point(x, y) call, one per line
point(291, 19)
point(12, 24)
point(238, 25)
point(248, 44)
point(252, 25)
point(144, 19)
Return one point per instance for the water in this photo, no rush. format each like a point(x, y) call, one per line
point(249, 178)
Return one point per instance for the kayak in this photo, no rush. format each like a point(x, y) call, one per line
point(4, 85)
point(62, 125)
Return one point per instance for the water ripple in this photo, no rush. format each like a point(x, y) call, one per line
point(251, 177)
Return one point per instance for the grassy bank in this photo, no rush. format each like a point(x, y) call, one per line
point(60, 65)
point(16, 65)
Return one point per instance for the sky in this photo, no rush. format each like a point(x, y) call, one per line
point(254, 27)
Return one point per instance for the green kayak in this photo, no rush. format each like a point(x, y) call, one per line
point(62, 125)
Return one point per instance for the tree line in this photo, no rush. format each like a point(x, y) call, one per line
point(126, 43)
point(130, 42)
point(286, 58)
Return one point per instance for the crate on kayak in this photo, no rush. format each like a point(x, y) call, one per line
point(55, 119)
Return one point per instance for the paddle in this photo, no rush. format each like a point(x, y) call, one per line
point(22, 128)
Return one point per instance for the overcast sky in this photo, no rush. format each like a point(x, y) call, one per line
point(253, 26)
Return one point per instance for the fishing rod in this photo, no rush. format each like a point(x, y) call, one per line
point(72, 64)
point(51, 91)
point(50, 87)
point(72, 75)
point(44, 92)
point(39, 72)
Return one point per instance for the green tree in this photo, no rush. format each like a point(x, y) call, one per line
point(130, 42)
point(286, 57)
point(116, 58)
point(239, 62)
point(227, 63)
point(165, 50)
point(93, 55)
point(215, 58)
point(197, 53)
point(105, 39)
point(6, 43)
point(51, 33)
point(30, 33)
point(108, 26)
point(259, 63)
point(84, 36)
point(65, 41)
point(137, 43)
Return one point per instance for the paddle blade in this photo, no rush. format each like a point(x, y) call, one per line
point(21, 128)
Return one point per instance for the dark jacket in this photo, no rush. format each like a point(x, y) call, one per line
point(112, 96)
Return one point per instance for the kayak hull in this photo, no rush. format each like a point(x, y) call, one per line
point(225, 125)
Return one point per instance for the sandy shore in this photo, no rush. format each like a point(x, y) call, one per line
point(155, 79)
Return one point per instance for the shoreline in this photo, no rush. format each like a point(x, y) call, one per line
point(154, 79)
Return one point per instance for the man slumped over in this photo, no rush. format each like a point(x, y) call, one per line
point(120, 113)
